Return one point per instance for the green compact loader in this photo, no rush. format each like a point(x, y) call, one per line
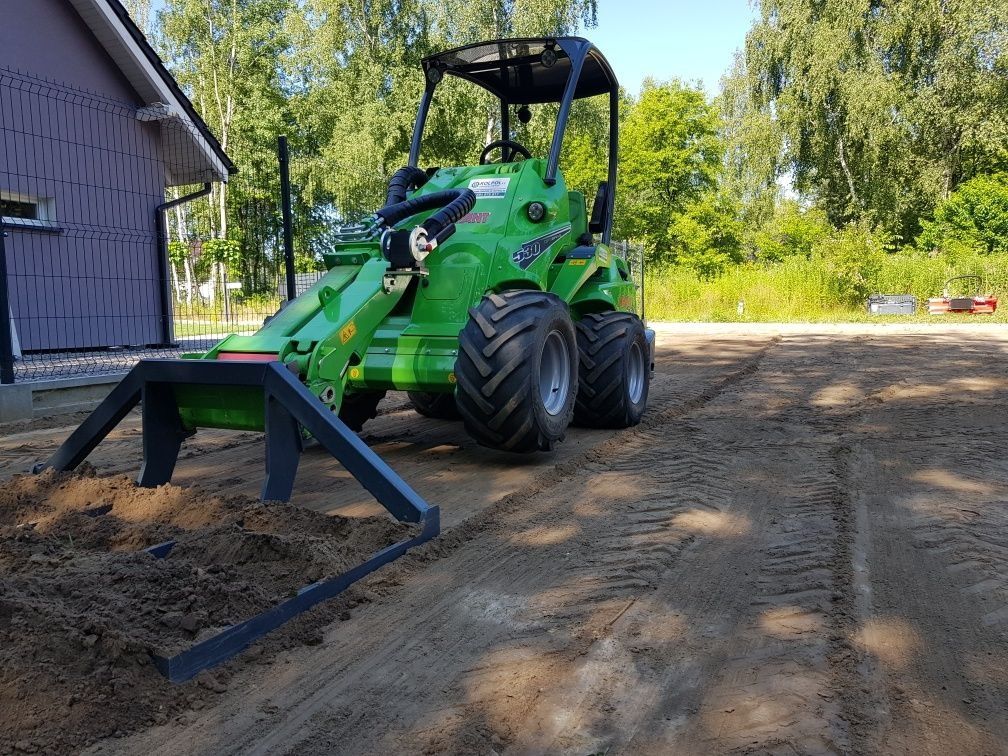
point(486, 291)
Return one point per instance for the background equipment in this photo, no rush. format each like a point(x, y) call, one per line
point(973, 304)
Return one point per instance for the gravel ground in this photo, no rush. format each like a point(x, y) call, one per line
point(802, 549)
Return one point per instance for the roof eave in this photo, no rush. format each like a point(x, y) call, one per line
point(110, 22)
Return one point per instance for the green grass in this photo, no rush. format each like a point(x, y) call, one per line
point(199, 318)
point(803, 290)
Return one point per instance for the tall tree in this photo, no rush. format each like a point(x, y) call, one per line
point(670, 157)
point(142, 14)
point(884, 107)
point(752, 147)
point(224, 53)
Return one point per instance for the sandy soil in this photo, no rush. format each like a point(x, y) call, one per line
point(803, 549)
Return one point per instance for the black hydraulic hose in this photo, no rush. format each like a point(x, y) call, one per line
point(405, 179)
point(453, 204)
point(451, 213)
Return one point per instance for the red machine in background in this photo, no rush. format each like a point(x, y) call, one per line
point(974, 305)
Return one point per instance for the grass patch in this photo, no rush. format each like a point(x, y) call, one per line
point(800, 289)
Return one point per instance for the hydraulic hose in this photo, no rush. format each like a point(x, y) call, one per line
point(405, 179)
point(453, 204)
point(451, 213)
point(404, 249)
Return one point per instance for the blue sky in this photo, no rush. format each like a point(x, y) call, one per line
point(685, 39)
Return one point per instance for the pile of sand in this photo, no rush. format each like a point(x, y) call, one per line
point(82, 606)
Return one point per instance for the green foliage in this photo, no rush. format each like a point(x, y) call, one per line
point(305, 263)
point(671, 190)
point(226, 252)
point(669, 158)
point(852, 258)
point(882, 109)
point(790, 230)
point(752, 145)
point(178, 252)
point(707, 235)
point(973, 219)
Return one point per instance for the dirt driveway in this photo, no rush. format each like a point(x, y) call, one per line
point(803, 549)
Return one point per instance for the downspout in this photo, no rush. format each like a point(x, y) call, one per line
point(167, 335)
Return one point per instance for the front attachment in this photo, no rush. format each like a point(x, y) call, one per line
point(289, 408)
point(288, 404)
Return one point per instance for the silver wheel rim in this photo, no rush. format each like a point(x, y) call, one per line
point(554, 373)
point(636, 373)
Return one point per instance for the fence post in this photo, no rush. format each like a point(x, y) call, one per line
point(6, 342)
point(643, 312)
point(288, 223)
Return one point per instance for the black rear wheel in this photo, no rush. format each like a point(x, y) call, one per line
point(615, 370)
point(517, 371)
point(431, 404)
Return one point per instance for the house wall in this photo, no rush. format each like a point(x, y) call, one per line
point(47, 39)
point(70, 136)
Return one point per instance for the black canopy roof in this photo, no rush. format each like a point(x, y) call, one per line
point(518, 72)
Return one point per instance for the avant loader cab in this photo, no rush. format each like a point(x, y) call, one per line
point(486, 291)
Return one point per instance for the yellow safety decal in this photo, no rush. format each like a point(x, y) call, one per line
point(578, 262)
point(451, 377)
point(347, 332)
point(355, 373)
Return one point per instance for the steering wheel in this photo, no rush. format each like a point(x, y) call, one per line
point(508, 147)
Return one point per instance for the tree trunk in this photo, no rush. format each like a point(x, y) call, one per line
point(213, 284)
point(850, 179)
point(187, 265)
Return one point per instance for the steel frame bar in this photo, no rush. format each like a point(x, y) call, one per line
point(289, 405)
point(235, 639)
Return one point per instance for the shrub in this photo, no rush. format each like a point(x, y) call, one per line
point(178, 252)
point(792, 230)
point(972, 219)
point(707, 236)
point(852, 257)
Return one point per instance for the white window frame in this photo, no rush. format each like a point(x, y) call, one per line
point(45, 209)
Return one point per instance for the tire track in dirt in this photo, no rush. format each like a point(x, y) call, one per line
point(920, 654)
point(611, 524)
point(589, 598)
point(545, 574)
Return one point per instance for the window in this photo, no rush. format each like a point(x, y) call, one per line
point(14, 209)
point(27, 211)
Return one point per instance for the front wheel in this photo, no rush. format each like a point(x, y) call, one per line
point(517, 371)
point(615, 370)
point(358, 407)
point(438, 406)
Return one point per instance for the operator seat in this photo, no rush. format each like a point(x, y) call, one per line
point(600, 209)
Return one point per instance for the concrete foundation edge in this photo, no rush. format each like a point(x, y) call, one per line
point(60, 396)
